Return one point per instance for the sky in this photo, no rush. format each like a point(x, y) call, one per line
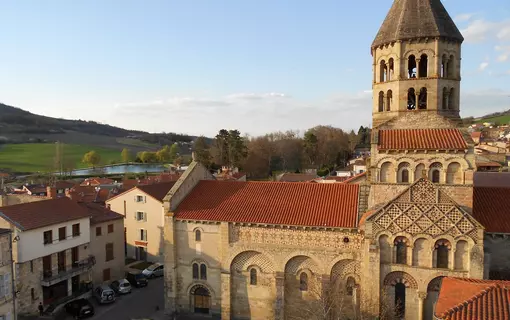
point(197, 66)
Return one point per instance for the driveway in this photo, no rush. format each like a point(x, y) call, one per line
point(142, 302)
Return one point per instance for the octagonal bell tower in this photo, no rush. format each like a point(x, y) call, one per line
point(416, 62)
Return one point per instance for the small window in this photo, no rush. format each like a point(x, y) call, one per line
point(139, 198)
point(143, 235)
point(48, 237)
point(435, 176)
point(110, 228)
point(198, 236)
point(253, 277)
point(303, 281)
point(62, 233)
point(203, 272)
point(76, 229)
point(106, 274)
point(98, 231)
point(141, 216)
point(109, 251)
point(32, 293)
point(195, 271)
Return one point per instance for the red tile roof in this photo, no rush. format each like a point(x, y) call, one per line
point(99, 213)
point(39, 214)
point(490, 208)
point(491, 179)
point(472, 299)
point(421, 139)
point(476, 134)
point(157, 190)
point(351, 179)
point(303, 204)
point(487, 164)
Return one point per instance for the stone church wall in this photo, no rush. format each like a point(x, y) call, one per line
point(497, 257)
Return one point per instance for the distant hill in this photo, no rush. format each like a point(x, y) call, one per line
point(499, 118)
point(20, 126)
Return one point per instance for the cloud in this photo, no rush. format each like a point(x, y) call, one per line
point(463, 17)
point(481, 30)
point(503, 53)
point(483, 66)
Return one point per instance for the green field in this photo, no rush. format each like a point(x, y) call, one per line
point(40, 157)
point(500, 120)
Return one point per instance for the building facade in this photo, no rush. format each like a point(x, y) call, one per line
point(51, 250)
point(7, 295)
point(378, 247)
point(142, 207)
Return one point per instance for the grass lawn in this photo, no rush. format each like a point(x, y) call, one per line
point(40, 157)
point(505, 119)
point(142, 265)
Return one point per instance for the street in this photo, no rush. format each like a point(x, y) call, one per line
point(142, 302)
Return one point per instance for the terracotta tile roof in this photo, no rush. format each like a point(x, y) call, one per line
point(99, 213)
point(64, 184)
point(39, 214)
point(97, 181)
point(303, 204)
point(158, 190)
point(83, 193)
point(476, 134)
point(421, 139)
point(472, 299)
point(296, 177)
point(487, 164)
point(353, 178)
point(490, 207)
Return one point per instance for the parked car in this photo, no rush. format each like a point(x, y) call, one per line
point(121, 286)
point(137, 279)
point(79, 308)
point(155, 270)
point(104, 294)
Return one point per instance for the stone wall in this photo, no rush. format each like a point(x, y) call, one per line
point(497, 256)
point(12, 199)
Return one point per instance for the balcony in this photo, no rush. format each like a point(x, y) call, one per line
point(50, 278)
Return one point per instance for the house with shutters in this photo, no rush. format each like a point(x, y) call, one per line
point(142, 208)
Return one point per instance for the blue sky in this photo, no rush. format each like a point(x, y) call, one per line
point(196, 66)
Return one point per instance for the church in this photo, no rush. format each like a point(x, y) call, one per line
point(377, 247)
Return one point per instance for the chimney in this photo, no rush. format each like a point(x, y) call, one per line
point(193, 157)
point(51, 192)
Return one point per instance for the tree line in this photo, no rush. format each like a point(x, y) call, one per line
point(324, 148)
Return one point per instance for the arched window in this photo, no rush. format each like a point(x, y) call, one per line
point(400, 300)
point(350, 285)
point(451, 67)
point(195, 270)
point(445, 99)
point(403, 172)
point(387, 172)
point(203, 272)
point(411, 67)
point(198, 236)
point(453, 173)
point(461, 255)
point(391, 69)
point(422, 101)
point(303, 281)
point(382, 71)
point(451, 100)
point(411, 99)
point(419, 172)
point(444, 62)
point(389, 97)
point(253, 277)
point(435, 172)
point(421, 253)
point(381, 101)
point(424, 64)
point(442, 248)
point(401, 250)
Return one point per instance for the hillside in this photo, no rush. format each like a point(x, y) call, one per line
point(499, 118)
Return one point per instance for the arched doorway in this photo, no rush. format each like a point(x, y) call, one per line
point(432, 295)
point(399, 291)
point(200, 299)
point(400, 300)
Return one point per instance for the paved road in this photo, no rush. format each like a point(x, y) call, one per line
point(140, 303)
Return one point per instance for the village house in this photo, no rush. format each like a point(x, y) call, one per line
point(142, 208)
point(6, 272)
point(51, 252)
point(380, 247)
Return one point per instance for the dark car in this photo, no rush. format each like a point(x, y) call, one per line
point(137, 279)
point(80, 308)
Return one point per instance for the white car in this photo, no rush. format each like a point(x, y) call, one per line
point(155, 270)
point(121, 286)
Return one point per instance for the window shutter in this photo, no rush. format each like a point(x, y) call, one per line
point(145, 199)
point(145, 216)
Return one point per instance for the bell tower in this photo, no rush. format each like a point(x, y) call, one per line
point(416, 83)
point(416, 62)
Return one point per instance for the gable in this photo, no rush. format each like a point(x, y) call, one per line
point(425, 209)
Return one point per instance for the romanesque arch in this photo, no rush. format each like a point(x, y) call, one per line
point(461, 255)
point(344, 283)
point(404, 172)
point(399, 293)
point(252, 283)
point(432, 294)
point(302, 285)
point(453, 173)
point(387, 172)
point(422, 253)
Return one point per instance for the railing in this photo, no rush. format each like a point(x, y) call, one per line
point(50, 278)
